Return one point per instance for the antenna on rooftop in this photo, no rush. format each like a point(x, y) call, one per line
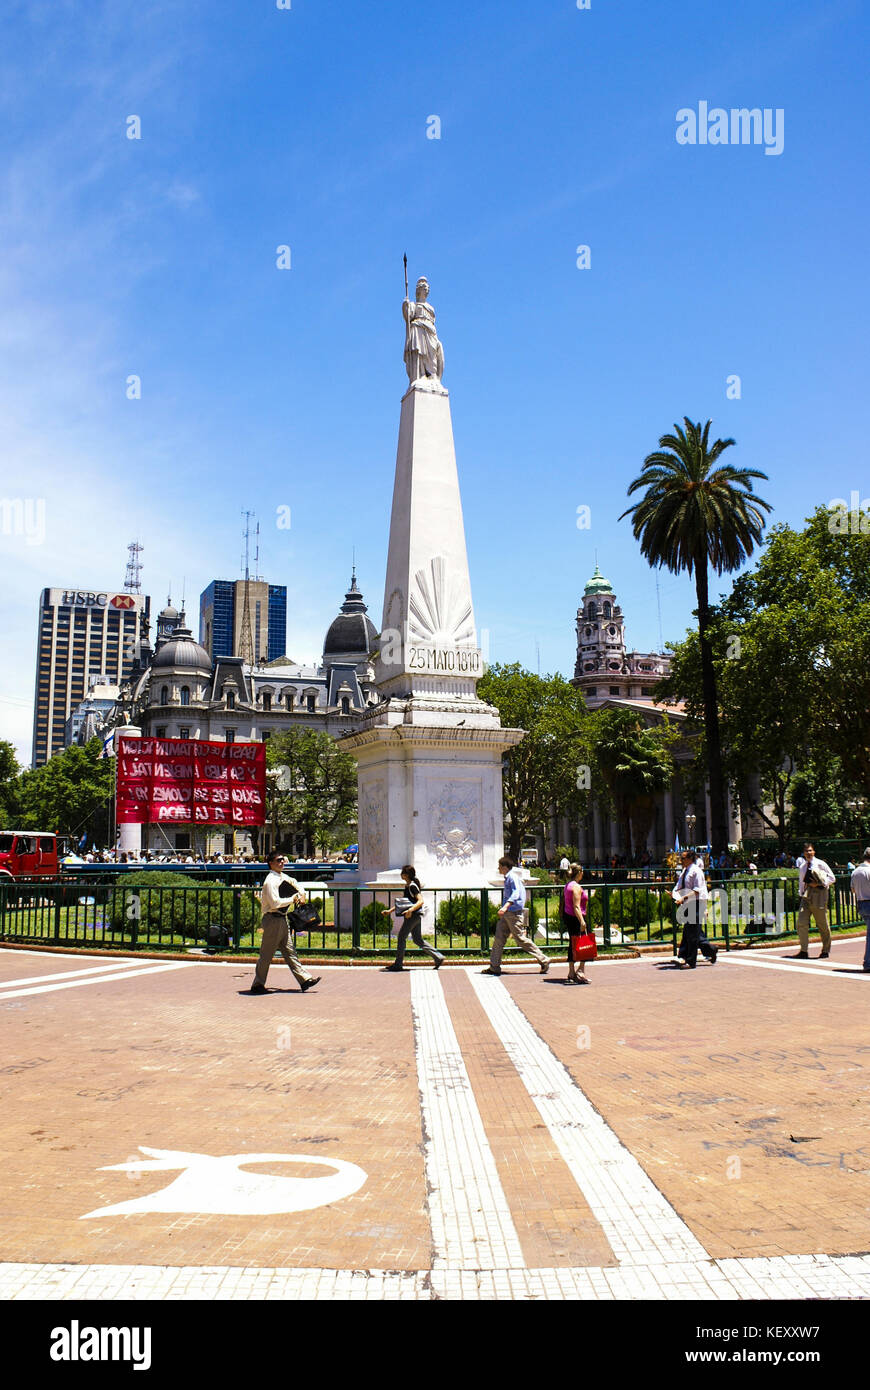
point(132, 582)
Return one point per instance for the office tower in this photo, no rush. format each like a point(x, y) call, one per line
point(222, 618)
point(83, 633)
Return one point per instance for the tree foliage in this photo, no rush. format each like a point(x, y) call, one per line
point(545, 769)
point(635, 764)
point(71, 794)
point(791, 649)
point(316, 791)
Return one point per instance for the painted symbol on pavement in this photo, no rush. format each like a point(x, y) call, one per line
point(220, 1186)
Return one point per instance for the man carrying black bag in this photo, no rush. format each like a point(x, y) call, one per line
point(279, 895)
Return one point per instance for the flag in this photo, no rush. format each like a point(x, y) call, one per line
point(677, 843)
point(83, 842)
point(108, 750)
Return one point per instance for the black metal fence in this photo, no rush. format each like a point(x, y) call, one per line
point(129, 915)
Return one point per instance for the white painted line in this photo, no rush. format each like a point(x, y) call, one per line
point(789, 1276)
point(641, 1226)
point(793, 968)
point(64, 974)
point(95, 980)
point(472, 1227)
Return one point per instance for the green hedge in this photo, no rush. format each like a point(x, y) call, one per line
point(156, 903)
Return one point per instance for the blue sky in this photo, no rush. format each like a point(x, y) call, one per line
point(264, 388)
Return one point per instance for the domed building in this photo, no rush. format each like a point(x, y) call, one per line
point(180, 691)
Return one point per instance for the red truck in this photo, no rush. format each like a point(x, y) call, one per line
point(27, 854)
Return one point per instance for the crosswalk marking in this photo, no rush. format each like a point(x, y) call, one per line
point(94, 980)
point(793, 967)
point(639, 1223)
point(472, 1226)
point(65, 974)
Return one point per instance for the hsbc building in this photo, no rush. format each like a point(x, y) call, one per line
point(82, 633)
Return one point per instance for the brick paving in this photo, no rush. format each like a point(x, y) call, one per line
point(654, 1134)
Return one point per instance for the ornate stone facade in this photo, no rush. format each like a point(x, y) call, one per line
point(604, 670)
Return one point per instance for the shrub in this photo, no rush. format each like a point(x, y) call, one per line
point(460, 916)
point(154, 904)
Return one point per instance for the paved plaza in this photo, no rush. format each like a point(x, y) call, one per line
point(656, 1134)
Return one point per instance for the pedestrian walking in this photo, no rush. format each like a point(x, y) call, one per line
point(690, 893)
point(512, 920)
point(279, 895)
point(575, 903)
point(409, 910)
point(814, 879)
point(861, 890)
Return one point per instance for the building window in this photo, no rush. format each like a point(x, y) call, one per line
point(311, 700)
point(160, 731)
point(591, 691)
point(614, 690)
point(164, 695)
point(230, 735)
point(289, 699)
point(345, 704)
point(184, 733)
point(267, 702)
point(185, 694)
point(231, 699)
point(266, 735)
point(607, 610)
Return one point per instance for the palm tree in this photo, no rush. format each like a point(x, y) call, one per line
point(696, 511)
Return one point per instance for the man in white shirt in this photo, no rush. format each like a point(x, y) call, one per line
point(690, 895)
point(861, 890)
point(814, 879)
point(279, 895)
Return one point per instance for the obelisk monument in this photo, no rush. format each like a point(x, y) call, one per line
point(429, 752)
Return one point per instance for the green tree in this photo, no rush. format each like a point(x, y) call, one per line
point(697, 512)
point(791, 648)
point(9, 785)
point(635, 764)
point(547, 768)
point(71, 794)
point(315, 792)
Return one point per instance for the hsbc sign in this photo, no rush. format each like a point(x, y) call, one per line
point(83, 598)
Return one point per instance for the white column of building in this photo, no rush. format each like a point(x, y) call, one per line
point(130, 835)
point(669, 818)
point(582, 846)
point(735, 826)
point(597, 835)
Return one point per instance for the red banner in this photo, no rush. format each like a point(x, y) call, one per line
point(191, 781)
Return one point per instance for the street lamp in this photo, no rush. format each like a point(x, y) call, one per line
point(691, 820)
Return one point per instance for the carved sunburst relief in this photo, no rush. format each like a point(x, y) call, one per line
point(439, 610)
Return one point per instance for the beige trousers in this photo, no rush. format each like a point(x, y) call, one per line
point(276, 937)
point(814, 904)
point(513, 924)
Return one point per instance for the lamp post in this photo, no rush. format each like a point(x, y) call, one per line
point(691, 820)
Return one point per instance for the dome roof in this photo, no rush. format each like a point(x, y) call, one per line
point(169, 611)
point(182, 650)
point(352, 632)
point(598, 584)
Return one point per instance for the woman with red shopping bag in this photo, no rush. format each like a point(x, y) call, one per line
point(581, 942)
